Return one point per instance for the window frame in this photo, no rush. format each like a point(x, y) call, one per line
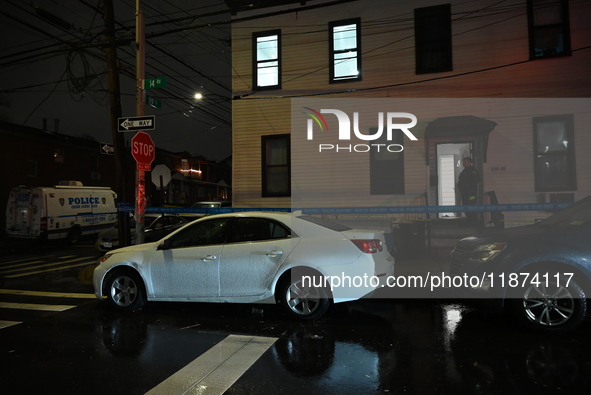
point(332, 52)
point(386, 169)
point(265, 167)
point(256, 64)
point(564, 24)
point(571, 179)
point(423, 17)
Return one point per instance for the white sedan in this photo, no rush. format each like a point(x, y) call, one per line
point(301, 262)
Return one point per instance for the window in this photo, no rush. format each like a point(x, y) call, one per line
point(345, 50)
point(256, 229)
point(267, 60)
point(554, 159)
point(31, 168)
point(386, 167)
point(276, 165)
point(549, 31)
point(58, 155)
point(433, 50)
point(201, 233)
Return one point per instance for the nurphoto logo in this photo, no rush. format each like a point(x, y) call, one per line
point(344, 130)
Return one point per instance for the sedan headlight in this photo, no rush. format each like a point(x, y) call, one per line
point(486, 252)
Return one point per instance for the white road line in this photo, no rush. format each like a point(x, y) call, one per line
point(218, 368)
point(44, 265)
point(9, 260)
point(6, 324)
point(51, 270)
point(50, 294)
point(31, 306)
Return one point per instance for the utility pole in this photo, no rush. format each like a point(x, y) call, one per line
point(140, 201)
point(115, 105)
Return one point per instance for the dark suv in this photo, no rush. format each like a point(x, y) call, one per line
point(541, 273)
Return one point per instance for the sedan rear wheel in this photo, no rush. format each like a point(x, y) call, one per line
point(125, 290)
point(556, 306)
point(303, 301)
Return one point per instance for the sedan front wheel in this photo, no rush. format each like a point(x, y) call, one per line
point(125, 290)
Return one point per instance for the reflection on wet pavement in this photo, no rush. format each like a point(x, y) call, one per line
point(398, 346)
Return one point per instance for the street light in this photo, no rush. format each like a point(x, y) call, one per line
point(198, 96)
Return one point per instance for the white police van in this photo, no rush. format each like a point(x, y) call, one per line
point(68, 210)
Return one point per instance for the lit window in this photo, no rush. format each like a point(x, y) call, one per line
point(58, 155)
point(345, 50)
point(549, 31)
point(267, 60)
point(554, 153)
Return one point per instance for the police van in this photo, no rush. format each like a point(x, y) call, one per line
point(66, 211)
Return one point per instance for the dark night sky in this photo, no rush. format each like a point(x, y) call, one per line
point(45, 74)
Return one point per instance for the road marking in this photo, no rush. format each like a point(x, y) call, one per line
point(10, 260)
point(21, 264)
point(214, 372)
point(44, 265)
point(31, 306)
point(6, 324)
point(50, 294)
point(51, 270)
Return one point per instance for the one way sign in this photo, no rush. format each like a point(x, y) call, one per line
point(133, 124)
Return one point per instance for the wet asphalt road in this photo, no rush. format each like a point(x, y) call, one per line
point(367, 347)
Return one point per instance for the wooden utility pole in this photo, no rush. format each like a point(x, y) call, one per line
point(140, 201)
point(115, 105)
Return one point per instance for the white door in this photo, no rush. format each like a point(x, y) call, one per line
point(449, 167)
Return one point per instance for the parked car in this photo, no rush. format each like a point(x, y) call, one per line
point(212, 204)
point(540, 273)
point(157, 226)
point(249, 257)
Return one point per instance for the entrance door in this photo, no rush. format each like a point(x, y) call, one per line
point(449, 167)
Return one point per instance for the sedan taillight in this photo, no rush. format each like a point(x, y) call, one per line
point(369, 246)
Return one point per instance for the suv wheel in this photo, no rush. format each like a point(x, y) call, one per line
point(551, 305)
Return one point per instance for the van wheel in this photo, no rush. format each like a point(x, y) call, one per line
point(74, 235)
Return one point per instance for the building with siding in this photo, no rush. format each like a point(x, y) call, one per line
point(506, 83)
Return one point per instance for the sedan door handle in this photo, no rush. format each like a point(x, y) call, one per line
point(274, 253)
point(208, 258)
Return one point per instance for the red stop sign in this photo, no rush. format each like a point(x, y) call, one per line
point(142, 150)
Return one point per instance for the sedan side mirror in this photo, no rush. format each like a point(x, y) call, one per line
point(165, 245)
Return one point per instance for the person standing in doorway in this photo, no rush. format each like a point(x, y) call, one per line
point(467, 184)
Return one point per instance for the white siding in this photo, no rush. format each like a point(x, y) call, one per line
point(490, 60)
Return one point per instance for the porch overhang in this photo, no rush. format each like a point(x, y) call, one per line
point(462, 126)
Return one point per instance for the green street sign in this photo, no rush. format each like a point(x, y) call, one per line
point(153, 83)
point(153, 102)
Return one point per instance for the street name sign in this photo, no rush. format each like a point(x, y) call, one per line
point(133, 124)
point(153, 102)
point(153, 83)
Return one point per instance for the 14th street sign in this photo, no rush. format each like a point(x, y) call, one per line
point(133, 124)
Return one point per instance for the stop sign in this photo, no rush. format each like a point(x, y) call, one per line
point(142, 150)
